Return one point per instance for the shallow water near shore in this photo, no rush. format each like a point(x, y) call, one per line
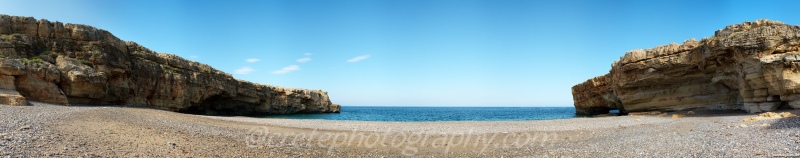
point(428, 114)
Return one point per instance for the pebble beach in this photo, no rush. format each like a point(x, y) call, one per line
point(44, 130)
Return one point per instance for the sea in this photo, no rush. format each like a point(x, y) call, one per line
point(432, 114)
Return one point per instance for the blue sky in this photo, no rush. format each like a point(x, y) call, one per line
point(410, 52)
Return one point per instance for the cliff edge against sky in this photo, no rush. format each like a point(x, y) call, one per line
point(71, 63)
point(752, 66)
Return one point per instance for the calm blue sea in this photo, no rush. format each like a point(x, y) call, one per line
point(416, 114)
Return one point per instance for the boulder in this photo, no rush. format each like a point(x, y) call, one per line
point(39, 83)
point(11, 97)
point(8, 93)
point(80, 80)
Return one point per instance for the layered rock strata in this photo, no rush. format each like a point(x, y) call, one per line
point(71, 63)
point(752, 66)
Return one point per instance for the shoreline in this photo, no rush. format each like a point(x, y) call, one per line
point(53, 130)
point(452, 126)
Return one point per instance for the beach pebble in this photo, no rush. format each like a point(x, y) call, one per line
point(644, 136)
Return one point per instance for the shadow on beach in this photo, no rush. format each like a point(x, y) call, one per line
point(786, 122)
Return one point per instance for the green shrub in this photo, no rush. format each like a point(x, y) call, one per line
point(37, 60)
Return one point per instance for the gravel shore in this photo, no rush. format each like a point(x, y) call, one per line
point(44, 130)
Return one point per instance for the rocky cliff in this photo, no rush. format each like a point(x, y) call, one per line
point(752, 66)
point(71, 63)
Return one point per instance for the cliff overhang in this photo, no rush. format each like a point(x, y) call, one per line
point(752, 66)
point(71, 63)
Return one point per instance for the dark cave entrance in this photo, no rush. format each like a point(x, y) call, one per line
point(222, 105)
point(782, 104)
point(774, 98)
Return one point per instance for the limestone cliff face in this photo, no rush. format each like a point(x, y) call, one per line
point(751, 66)
point(69, 63)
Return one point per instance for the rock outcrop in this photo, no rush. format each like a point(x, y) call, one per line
point(751, 66)
point(71, 63)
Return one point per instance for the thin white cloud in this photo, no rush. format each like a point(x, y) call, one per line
point(194, 57)
point(307, 54)
point(252, 60)
point(244, 70)
point(287, 69)
point(358, 58)
point(303, 60)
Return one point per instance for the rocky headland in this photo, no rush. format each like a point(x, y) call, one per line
point(752, 66)
point(66, 64)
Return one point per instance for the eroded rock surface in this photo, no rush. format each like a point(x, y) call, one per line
point(752, 66)
point(70, 63)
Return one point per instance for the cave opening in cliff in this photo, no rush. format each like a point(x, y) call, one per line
point(777, 98)
point(220, 105)
point(774, 98)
